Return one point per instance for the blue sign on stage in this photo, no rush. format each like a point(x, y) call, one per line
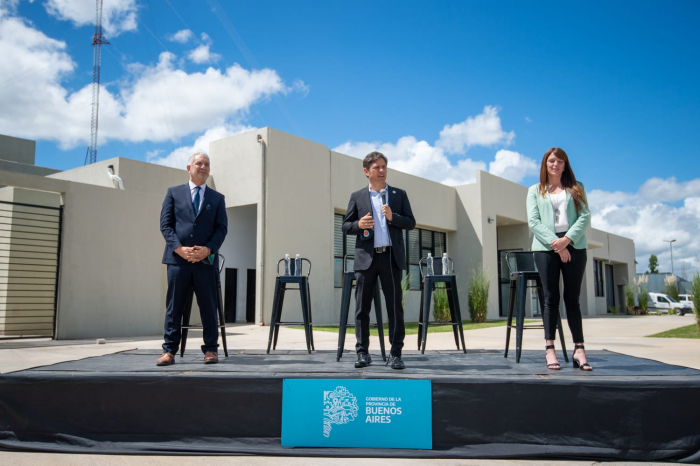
point(357, 413)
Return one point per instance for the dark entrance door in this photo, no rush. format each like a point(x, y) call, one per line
point(250, 297)
point(231, 289)
point(609, 286)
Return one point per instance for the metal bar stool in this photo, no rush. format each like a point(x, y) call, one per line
point(348, 284)
point(281, 285)
point(522, 269)
point(429, 284)
point(187, 312)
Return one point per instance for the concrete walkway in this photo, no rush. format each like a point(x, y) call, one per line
point(622, 334)
point(40, 459)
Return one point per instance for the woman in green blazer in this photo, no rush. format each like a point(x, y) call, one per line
point(558, 215)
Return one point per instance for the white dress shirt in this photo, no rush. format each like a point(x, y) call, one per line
point(561, 222)
point(201, 193)
point(381, 228)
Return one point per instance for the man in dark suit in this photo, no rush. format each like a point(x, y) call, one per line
point(378, 221)
point(194, 224)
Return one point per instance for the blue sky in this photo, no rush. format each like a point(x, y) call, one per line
point(444, 88)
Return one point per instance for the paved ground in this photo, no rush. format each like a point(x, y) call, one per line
point(623, 334)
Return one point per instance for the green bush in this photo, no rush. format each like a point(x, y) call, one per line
point(671, 287)
point(478, 294)
point(441, 308)
point(643, 297)
point(630, 291)
point(672, 312)
point(613, 309)
point(695, 292)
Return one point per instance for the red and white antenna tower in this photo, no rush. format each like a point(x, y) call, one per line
point(97, 41)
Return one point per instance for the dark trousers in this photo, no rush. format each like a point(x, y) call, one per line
point(549, 265)
point(384, 267)
point(181, 279)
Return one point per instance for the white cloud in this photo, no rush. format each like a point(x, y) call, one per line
point(117, 15)
point(669, 190)
point(182, 36)
point(300, 87)
point(417, 158)
point(10, 5)
point(154, 102)
point(649, 221)
point(464, 172)
point(421, 159)
point(202, 54)
point(32, 66)
point(178, 157)
point(481, 130)
point(153, 154)
point(430, 161)
point(513, 166)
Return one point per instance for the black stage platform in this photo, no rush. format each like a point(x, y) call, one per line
point(484, 406)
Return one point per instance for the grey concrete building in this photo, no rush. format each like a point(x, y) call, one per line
point(284, 195)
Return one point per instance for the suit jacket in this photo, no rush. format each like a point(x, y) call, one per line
point(540, 218)
point(358, 207)
point(180, 227)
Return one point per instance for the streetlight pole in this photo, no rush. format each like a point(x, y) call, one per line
point(670, 244)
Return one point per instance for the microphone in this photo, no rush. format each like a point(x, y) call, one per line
point(383, 193)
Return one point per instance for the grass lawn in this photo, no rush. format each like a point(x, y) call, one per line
point(689, 331)
point(412, 327)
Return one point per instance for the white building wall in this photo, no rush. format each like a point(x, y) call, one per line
point(504, 203)
point(239, 161)
point(137, 176)
point(113, 282)
point(299, 220)
point(612, 250)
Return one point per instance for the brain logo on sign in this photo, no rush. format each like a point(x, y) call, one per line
point(339, 407)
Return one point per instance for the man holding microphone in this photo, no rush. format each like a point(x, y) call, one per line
point(378, 215)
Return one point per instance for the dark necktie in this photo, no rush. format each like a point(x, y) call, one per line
point(195, 203)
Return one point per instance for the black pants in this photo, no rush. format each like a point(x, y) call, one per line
point(181, 279)
point(549, 265)
point(384, 267)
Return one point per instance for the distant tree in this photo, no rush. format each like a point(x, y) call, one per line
point(653, 264)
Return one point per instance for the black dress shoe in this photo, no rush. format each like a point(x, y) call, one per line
point(363, 360)
point(396, 362)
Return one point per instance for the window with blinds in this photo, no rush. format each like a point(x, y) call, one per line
point(342, 246)
point(419, 243)
point(413, 244)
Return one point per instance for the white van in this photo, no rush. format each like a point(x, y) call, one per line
point(664, 303)
point(686, 298)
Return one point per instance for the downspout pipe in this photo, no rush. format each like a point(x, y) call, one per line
point(263, 226)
